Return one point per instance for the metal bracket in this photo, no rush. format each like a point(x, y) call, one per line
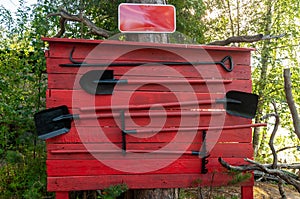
point(204, 160)
point(122, 118)
point(124, 132)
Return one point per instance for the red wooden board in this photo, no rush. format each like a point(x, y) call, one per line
point(79, 151)
point(185, 165)
point(186, 71)
point(139, 181)
point(90, 134)
point(76, 160)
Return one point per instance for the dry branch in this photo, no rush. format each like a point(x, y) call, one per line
point(273, 134)
point(290, 101)
point(271, 169)
point(65, 16)
point(260, 167)
point(245, 39)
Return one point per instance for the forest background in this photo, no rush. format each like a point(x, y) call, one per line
point(23, 78)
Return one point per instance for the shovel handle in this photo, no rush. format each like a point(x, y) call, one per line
point(195, 128)
point(60, 151)
point(143, 114)
point(147, 106)
point(159, 81)
point(80, 63)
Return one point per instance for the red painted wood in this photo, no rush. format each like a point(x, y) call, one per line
point(187, 119)
point(247, 192)
point(196, 71)
point(91, 134)
point(79, 151)
point(70, 82)
point(109, 49)
point(70, 166)
point(138, 181)
point(56, 80)
point(62, 195)
point(191, 164)
point(163, 121)
point(81, 99)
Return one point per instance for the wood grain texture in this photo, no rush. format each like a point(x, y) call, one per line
point(138, 181)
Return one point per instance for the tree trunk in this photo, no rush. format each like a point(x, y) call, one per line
point(261, 87)
point(147, 37)
point(157, 38)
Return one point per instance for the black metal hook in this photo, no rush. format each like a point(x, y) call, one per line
point(204, 160)
point(72, 60)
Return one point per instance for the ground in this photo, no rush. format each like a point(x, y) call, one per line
point(262, 190)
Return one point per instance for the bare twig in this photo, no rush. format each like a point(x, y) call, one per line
point(283, 149)
point(286, 148)
point(274, 131)
point(290, 101)
point(65, 16)
point(245, 39)
point(271, 144)
point(62, 24)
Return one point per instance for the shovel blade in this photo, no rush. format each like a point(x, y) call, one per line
point(247, 106)
point(45, 126)
point(87, 82)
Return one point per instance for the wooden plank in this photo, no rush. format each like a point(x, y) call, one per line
point(82, 151)
point(138, 181)
point(155, 52)
point(196, 71)
point(95, 167)
point(54, 40)
point(70, 82)
point(56, 168)
point(167, 119)
point(91, 134)
point(81, 99)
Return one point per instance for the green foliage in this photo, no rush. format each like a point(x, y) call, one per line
point(251, 17)
point(103, 14)
point(113, 191)
point(22, 175)
point(22, 93)
point(189, 16)
point(238, 177)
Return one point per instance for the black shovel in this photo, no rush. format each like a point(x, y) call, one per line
point(57, 121)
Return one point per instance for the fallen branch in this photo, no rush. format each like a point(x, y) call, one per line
point(260, 167)
point(245, 39)
point(65, 16)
